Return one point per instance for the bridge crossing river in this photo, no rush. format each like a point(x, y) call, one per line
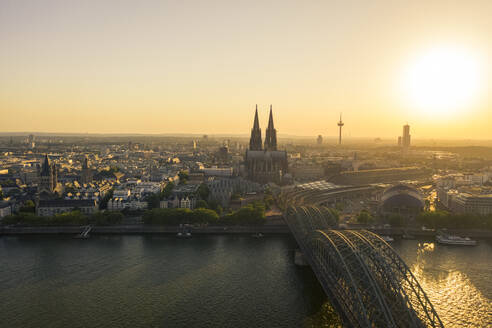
point(364, 278)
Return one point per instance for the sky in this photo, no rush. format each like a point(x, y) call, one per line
point(201, 66)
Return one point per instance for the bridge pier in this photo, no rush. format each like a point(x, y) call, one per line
point(299, 258)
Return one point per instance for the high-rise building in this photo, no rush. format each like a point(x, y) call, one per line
point(30, 141)
point(405, 138)
point(319, 141)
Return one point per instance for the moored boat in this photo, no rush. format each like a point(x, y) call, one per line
point(387, 238)
point(447, 239)
point(184, 231)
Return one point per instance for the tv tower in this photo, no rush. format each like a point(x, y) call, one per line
point(340, 124)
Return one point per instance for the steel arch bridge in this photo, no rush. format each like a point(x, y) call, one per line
point(365, 280)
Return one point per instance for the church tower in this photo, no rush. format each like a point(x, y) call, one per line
point(86, 174)
point(47, 177)
point(255, 140)
point(271, 134)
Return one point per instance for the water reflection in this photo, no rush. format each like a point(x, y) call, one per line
point(137, 281)
point(453, 278)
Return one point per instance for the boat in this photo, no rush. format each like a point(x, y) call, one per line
point(447, 239)
point(184, 232)
point(387, 238)
point(258, 235)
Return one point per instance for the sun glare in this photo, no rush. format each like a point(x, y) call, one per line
point(442, 81)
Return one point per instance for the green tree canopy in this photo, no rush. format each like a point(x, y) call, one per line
point(201, 204)
point(365, 217)
point(203, 191)
point(166, 192)
point(106, 218)
point(29, 206)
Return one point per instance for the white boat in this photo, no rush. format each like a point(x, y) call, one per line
point(447, 239)
point(184, 231)
point(258, 235)
point(387, 239)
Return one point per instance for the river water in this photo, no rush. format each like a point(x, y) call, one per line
point(209, 281)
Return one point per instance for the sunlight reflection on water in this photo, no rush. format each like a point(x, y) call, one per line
point(456, 299)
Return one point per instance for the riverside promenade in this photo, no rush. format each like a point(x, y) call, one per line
point(220, 230)
point(143, 229)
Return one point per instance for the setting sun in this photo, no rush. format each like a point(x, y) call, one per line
point(442, 81)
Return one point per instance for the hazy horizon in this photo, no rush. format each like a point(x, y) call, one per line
point(189, 67)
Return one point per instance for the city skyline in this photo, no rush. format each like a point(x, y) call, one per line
point(166, 67)
point(278, 163)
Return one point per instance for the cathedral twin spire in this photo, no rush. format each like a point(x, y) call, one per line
point(270, 137)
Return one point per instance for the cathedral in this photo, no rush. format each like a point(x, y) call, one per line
point(264, 163)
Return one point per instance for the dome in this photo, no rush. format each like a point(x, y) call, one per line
point(402, 198)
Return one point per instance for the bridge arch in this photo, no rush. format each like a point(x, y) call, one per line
point(365, 279)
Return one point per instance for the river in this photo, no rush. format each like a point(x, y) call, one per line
point(207, 281)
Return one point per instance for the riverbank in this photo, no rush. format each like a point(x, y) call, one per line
point(219, 230)
point(142, 229)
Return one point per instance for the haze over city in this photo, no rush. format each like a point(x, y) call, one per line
point(185, 163)
point(200, 67)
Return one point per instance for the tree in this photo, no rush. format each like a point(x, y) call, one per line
point(183, 177)
point(166, 192)
point(28, 207)
point(203, 215)
point(201, 204)
point(104, 201)
point(335, 214)
point(251, 214)
point(106, 218)
point(203, 191)
point(153, 200)
point(268, 199)
point(365, 217)
point(70, 218)
point(396, 220)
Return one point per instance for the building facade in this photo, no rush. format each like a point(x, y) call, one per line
point(265, 163)
point(57, 206)
point(405, 138)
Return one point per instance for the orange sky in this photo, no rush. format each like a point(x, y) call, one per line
point(201, 66)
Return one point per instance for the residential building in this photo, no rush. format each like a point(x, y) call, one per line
point(57, 206)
